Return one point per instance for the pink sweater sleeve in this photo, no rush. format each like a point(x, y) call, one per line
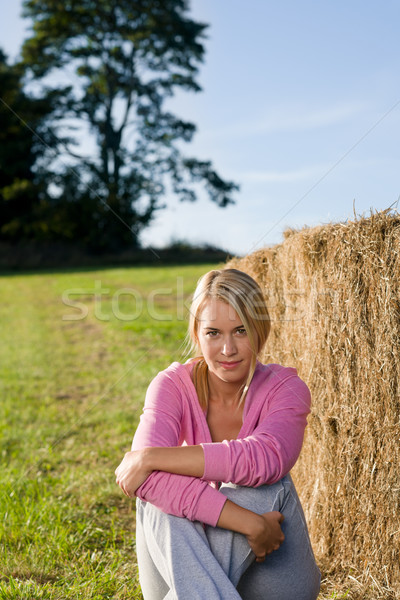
point(271, 450)
point(160, 425)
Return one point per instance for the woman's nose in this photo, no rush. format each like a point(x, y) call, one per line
point(228, 347)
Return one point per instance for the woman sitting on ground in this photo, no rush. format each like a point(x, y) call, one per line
point(217, 514)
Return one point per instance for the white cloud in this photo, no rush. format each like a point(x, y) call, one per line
point(291, 118)
point(282, 176)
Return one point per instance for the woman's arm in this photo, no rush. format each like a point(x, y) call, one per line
point(263, 532)
point(263, 457)
point(161, 426)
point(181, 489)
point(137, 465)
point(272, 449)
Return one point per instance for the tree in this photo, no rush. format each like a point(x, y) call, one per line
point(128, 57)
point(25, 212)
point(18, 154)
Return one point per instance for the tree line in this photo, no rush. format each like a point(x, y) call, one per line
point(88, 146)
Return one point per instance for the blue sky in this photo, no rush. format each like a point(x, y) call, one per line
point(300, 106)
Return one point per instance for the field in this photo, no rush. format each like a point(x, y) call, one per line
point(78, 349)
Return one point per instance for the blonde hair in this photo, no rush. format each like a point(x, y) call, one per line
point(244, 295)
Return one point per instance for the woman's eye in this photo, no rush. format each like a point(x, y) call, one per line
point(214, 334)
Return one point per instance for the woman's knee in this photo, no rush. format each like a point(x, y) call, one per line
point(262, 499)
point(162, 525)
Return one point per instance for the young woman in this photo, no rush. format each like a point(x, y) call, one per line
point(217, 513)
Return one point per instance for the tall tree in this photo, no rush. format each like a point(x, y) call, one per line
point(126, 57)
point(22, 135)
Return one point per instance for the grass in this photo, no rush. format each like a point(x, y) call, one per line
point(72, 389)
point(78, 351)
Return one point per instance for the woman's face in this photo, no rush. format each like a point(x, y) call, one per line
point(224, 342)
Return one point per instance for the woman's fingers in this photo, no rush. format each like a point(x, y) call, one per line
point(131, 473)
point(267, 536)
point(260, 558)
point(122, 474)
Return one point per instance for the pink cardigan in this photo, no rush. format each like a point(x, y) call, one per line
point(267, 447)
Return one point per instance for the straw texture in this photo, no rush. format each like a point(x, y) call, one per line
point(334, 297)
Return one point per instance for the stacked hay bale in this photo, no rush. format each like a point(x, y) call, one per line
point(334, 297)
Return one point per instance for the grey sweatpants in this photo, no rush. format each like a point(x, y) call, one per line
point(180, 559)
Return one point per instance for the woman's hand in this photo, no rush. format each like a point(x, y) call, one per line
point(132, 472)
point(267, 535)
point(263, 532)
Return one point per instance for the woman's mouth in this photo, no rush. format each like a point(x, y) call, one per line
point(230, 365)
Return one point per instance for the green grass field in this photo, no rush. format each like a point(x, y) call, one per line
point(77, 352)
point(72, 386)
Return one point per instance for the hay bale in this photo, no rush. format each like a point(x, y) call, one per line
point(334, 296)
